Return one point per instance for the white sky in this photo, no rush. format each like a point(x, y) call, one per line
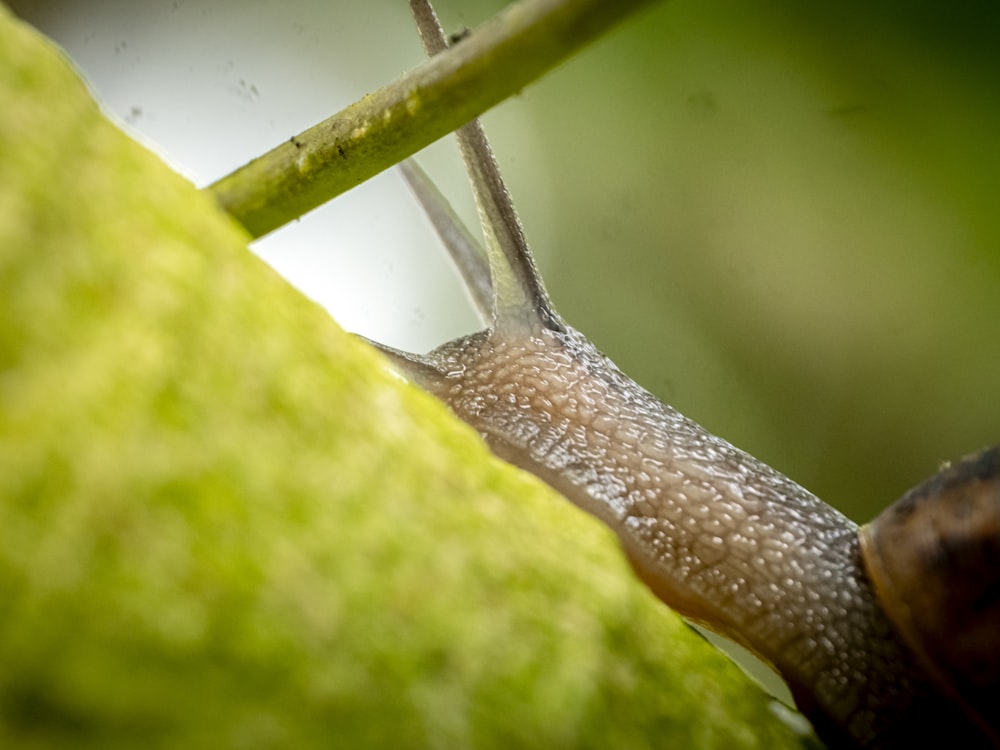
point(210, 84)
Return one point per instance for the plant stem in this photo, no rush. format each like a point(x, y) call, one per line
point(498, 59)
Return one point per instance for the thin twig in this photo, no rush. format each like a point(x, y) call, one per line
point(498, 59)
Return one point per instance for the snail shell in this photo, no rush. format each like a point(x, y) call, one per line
point(933, 558)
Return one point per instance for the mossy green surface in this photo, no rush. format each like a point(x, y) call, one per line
point(224, 524)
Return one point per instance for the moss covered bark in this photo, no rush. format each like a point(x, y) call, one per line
point(224, 524)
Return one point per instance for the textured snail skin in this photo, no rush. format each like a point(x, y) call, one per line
point(718, 535)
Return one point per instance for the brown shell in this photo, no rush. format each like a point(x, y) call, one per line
point(934, 561)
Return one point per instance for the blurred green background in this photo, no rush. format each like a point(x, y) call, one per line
point(778, 216)
point(781, 218)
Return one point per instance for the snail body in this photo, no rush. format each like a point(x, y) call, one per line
point(718, 535)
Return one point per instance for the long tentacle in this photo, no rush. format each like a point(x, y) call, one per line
point(466, 253)
point(520, 301)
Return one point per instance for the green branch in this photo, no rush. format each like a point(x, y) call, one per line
point(498, 59)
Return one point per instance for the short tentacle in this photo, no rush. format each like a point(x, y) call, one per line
point(419, 369)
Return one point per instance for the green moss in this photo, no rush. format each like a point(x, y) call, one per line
point(224, 524)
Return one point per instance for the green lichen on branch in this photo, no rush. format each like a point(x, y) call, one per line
point(498, 59)
point(224, 524)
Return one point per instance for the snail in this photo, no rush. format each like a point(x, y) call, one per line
point(847, 616)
